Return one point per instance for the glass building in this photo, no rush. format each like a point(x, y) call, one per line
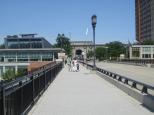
point(22, 50)
point(26, 41)
point(28, 55)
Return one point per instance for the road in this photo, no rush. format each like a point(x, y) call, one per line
point(139, 73)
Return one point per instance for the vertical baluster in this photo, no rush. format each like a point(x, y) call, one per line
point(134, 85)
point(3, 101)
point(144, 89)
point(21, 97)
point(126, 81)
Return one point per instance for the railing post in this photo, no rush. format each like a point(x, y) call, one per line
point(144, 89)
point(126, 81)
point(33, 89)
point(114, 77)
point(3, 101)
point(110, 74)
point(119, 79)
point(134, 85)
point(39, 86)
point(21, 97)
point(45, 79)
point(50, 75)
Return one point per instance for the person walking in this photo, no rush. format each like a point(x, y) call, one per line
point(69, 63)
point(75, 64)
point(78, 67)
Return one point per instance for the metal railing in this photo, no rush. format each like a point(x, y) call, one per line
point(144, 88)
point(17, 97)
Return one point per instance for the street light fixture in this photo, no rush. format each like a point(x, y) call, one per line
point(94, 21)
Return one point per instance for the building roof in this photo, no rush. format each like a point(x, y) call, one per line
point(32, 49)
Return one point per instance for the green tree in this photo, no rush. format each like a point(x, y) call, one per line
point(147, 42)
point(115, 48)
point(9, 75)
point(90, 54)
point(101, 53)
point(64, 43)
point(21, 73)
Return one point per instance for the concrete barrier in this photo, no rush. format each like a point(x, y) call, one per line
point(145, 99)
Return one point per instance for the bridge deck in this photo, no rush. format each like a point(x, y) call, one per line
point(83, 93)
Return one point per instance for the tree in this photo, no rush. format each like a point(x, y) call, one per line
point(64, 43)
point(21, 73)
point(115, 48)
point(90, 54)
point(101, 53)
point(147, 42)
point(9, 75)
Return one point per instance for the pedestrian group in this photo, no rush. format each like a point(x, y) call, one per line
point(73, 65)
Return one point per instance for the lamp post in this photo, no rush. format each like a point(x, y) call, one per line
point(94, 21)
point(61, 44)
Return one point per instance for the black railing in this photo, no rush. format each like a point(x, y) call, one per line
point(125, 80)
point(17, 97)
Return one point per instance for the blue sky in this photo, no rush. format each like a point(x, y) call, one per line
point(47, 18)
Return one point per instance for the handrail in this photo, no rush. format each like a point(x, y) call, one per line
point(18, 96)
point(22, 79)
point(123, 79)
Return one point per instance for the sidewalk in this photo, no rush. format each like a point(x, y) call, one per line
point(83, 93)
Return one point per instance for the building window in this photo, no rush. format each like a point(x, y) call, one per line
point(146, 49)
point(135, 52)
point(146, 55)
point(1, 58)
point(1, 72)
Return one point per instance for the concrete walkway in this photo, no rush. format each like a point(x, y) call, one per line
point(83, 93)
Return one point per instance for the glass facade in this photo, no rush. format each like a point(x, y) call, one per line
point(146, 55)
point(142, 52)
point(12, 68)
point(26, 56)
point(135, 52)
point(146, 50)
point(26, 41)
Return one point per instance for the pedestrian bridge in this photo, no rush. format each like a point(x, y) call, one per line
point(85, 93)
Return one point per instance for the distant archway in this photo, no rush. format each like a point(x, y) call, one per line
point(78, 53)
